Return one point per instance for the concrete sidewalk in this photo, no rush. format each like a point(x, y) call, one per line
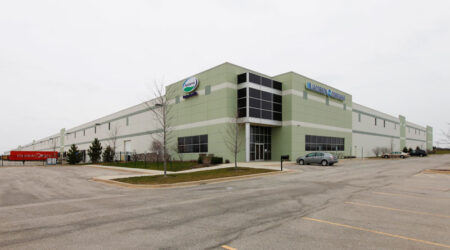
point(149, 172)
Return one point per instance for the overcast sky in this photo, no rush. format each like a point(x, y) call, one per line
point(64, 63)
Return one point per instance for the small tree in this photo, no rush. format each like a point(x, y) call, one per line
point(409, 150)
point(157, 148)
point(417, 148)
point(108, 154)
point(73, 155)
point(113, 136)
point(405, 149)
point(384, 150)
point(376, 151)
point(95, 151)
point(232, 138)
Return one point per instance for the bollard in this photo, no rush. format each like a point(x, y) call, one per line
point(283, 157)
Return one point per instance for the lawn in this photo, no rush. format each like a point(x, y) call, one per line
point(194, 176)
point(171, 166)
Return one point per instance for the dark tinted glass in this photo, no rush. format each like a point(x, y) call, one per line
point(266, 105)
point(242, 112)
point(255, 103)
point(242, 103)
point(277, 85)
point(277, 116)
point(255, 113)
point(204, 139)
point(254, 78)
point(195, 139)
point(277, 98)
point(180, 140)
point(242, 78)
point(266, 114)
point(277, 107)
point(242, 93)
point(266, 96)
point(266, 82)
point(204, 148)
point(254, 93)
point(188, 140)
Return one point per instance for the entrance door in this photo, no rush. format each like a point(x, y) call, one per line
point(259, 152)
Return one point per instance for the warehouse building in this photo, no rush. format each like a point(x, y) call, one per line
point(283, 114)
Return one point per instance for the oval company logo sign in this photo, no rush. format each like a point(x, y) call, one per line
point(190, 84)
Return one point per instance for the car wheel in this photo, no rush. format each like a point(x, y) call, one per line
point(403, 157)
point(421, 155)
point(324, 163)
point(301, 162)
point(331, 164)
point(385, 156)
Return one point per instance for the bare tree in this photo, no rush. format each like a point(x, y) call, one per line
point(232, 138)
point(113, 136)
point(161, 109)
point(157, 148)
point(376, 151)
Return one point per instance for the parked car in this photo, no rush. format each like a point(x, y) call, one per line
point(418, 152)
point(321, 158)
point(395, 155)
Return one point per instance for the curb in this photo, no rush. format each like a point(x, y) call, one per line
point(190, 183)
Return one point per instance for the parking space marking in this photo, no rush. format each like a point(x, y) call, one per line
point(377, 232)
point(397, 209)
point(228, 247)
point(408, 196)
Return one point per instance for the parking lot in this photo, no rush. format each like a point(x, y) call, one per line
point(370, 204)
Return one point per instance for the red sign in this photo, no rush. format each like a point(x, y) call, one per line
point(32, 155)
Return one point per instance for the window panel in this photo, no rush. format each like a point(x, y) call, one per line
point(266, 82)
point(277, 85)
point(255, 113)
point(276, 98)
point(254, 78)
point(242, 93)
point(266, 96)
point(242, 112)
point(255, 103)
point(254, 93)
point(266, 105)
point(242, 103)
point(277, 107)
point(277, 116)
point(242, 78)
point(266, 114)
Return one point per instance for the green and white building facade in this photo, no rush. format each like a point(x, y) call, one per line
point(283, 114)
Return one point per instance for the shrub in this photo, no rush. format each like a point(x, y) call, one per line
point(405, 149)
point(200, 159)
point(95, 151)
point(216, 160)
point(108, 154)
point(227, 161)
point(73, 156)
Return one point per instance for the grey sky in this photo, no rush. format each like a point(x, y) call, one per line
point(63, 63)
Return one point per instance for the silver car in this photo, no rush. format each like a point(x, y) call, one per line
point(322, 158)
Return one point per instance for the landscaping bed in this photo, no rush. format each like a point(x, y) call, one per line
point(194, 176)
point(173, 166)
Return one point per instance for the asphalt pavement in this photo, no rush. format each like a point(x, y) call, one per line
point(370, 204)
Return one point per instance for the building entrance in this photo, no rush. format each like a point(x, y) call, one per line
point(260, 143)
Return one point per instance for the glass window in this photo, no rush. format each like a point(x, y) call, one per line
point(254, 78)
point(266, 105)
point(254, 93)
point(277, 107)
point(255, 103)
point(242, 112)
point(277, 116)
point(242, 78)
point(266, 114)
point(242, 103)
point(276, 98)
point(193, 144)
point(266, 82)
point(266, 96)
point(242, 93)
point(277, 85)
point(255, 113)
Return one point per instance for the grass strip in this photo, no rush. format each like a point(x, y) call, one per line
point(194, 176)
